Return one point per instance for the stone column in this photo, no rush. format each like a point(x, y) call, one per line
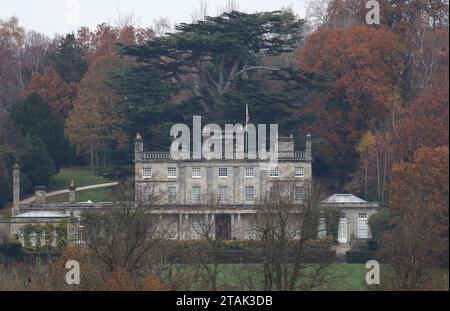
point(16, 189)
point(308, 150)
point(40, 194)
point(180, 227)
point(72, 188)
point(187, 231)
point(240, 228)
point(233, 229)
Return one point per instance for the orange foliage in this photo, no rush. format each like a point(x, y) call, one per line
point(366, 65)
point(154, 284)
point(51, 87)
point(119, 280)
point(425, 122)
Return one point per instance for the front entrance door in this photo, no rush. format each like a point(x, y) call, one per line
point(223, 227)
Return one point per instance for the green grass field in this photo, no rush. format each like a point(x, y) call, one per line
point(342, 277)
point(95, 195)
point(81, 175)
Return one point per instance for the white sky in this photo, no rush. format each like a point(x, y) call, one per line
point(57, 16)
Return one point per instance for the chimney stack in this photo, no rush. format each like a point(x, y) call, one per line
point(308, 146)
point(16, 189)
point(138, 147)
point(40, 194)
point(72, 189)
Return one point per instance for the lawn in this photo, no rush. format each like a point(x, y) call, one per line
point(344, 277)
point(95, 195)
point(82, 176)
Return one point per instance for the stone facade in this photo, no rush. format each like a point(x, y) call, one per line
point(224, 193)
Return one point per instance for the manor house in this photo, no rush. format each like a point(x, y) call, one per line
point(226, 194)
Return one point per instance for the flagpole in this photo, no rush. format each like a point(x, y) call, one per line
point(246, 129)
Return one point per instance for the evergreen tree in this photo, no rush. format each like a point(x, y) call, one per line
point(210, 68)
point(35, 117)
point(37, 165)
point(69, 60)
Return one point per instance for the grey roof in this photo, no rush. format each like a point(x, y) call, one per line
point(41, 214)
point(343, 198)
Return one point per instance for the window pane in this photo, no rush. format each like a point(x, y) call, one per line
point(299, 193)
point(249, 194)
point(223, 194)
point(223, 172)
point(249, 172)
point(147, 172)
point(196, 172)
point(195, 194)
point(172, 194)
point(299, 172)
point(274, 172)
point(172, 172)
point(363, 230)
point(322, 231)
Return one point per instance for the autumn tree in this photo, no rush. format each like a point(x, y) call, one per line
point(417, 244)
point(50, 86)
point(365, 64)
point(105, 38)
point(95, 123)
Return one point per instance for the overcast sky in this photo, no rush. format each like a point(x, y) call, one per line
point(60, 16)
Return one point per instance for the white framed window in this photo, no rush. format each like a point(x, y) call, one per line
point(196, 172)
point(223, 194)
point(21, 237)
point(79, 237)
point(195, 194)
point(33, 239)
point(249, 194)
point(322, 230)
point(55, 239)
point(363, 230)
point(342, 229)
point(223, 172)
point(172, 194)
point(299, 193)
point(274, 172)
point(249, 172)
point(147, 172)
point(147, 194)
point(197, 230)
point(299, 172)
point(43, 237)
point(171, 172)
